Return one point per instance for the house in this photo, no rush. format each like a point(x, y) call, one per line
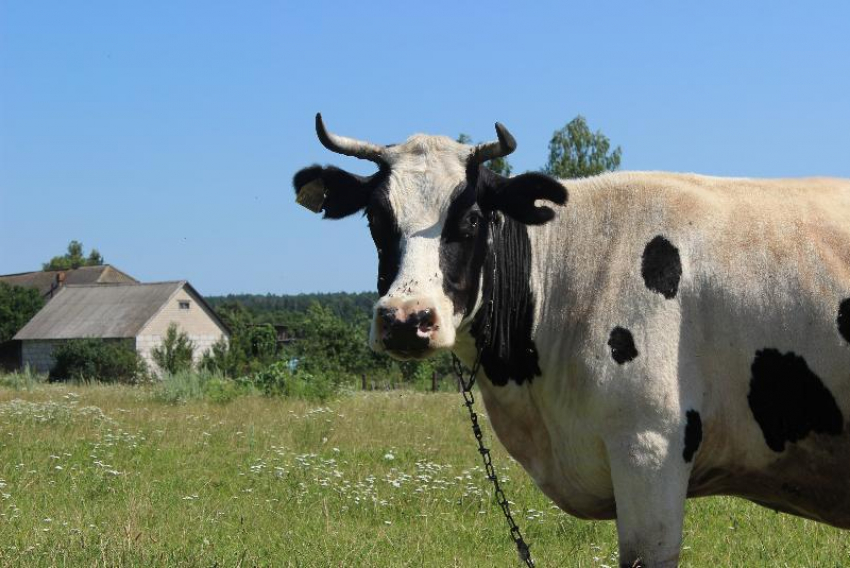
point(136, 313)
point(48, 282)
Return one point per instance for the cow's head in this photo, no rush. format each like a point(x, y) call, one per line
point(430, 207)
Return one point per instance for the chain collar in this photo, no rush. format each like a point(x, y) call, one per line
point(466, 384)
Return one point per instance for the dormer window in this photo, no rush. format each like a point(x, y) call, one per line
point(183, 304)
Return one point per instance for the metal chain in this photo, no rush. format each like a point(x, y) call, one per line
point(469, 400)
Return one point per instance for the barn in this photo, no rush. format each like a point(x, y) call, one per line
point(136, 313)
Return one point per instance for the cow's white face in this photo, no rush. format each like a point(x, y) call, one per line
point(429, 208)
point(420, 220)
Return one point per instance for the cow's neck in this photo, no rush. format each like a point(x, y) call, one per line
point(509, 353)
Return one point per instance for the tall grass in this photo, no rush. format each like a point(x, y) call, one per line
point(184, 386)
point(110, 475)
point(26, 379)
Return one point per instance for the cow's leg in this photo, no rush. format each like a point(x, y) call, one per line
point(650, 486)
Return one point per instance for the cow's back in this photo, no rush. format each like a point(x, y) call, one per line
point(738, 285)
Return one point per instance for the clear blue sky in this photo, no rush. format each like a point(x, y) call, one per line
point(166, 133)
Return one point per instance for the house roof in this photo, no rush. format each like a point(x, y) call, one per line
point(104, 310)
point(48, 281)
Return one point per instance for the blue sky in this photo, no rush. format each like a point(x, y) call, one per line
point(166, 133)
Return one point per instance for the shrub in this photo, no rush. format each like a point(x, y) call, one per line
point(273, 379)
point(97, 360)
point(311, 386)
point(175, 352)
point(279, 380)
point(221, 389)
point(220, 358)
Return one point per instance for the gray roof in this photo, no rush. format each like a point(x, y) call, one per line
point(47, 282)
point(101, 310)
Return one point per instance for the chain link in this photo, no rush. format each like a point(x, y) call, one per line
point(469, 400)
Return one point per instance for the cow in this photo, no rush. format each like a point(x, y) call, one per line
point(644, 337)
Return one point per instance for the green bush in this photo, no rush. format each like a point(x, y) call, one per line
point(97, 360)
point(221, 389)
point(220, 358)
point(272, 380)
point(175, 352)
point(278, 380)
point(310, 386)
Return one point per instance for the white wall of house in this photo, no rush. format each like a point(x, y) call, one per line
point(198, 323)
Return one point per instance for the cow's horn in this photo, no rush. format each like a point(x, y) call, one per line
point(348, 146)
point(498, 148)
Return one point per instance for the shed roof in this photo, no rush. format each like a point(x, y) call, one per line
point(47, 281)
point(103, 310)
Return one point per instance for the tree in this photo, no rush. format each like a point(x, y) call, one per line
point(327, 344)
point(17, 306)
point(175, 352)
point(252, 346)
point(499, 165)
point(74, 258)
point(95, 258)
point(576, 152)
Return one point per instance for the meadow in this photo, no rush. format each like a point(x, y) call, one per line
point(97, 475)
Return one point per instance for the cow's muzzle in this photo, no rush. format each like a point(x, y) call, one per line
point(407, 334)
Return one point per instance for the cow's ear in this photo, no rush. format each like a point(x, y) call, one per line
point(332, 190)
point(515, 197)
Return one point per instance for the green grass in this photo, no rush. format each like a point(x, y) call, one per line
point(115, 475)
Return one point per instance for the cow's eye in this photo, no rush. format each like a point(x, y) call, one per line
point(469, 226)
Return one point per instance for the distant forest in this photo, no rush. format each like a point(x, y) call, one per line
point(354, 308)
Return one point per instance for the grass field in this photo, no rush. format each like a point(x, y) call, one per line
point(110, 475)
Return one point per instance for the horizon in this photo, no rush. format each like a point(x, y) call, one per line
point(166, 136)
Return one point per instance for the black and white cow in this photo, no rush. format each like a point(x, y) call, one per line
point(655, 337)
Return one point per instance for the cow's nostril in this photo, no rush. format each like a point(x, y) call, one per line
point(426, 320)
point(387, 315)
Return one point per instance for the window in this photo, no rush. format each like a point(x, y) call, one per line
point(183, 304)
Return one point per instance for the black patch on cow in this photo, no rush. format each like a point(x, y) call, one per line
point(693, 435)
point(387, 238)
point(509, 353)
point(789, 401)
point(844, 319)
point(661, 267)
point(622, 345)
point(345, 193)
point(463, 246)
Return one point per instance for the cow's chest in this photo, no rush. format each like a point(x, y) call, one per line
point(546, 437)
